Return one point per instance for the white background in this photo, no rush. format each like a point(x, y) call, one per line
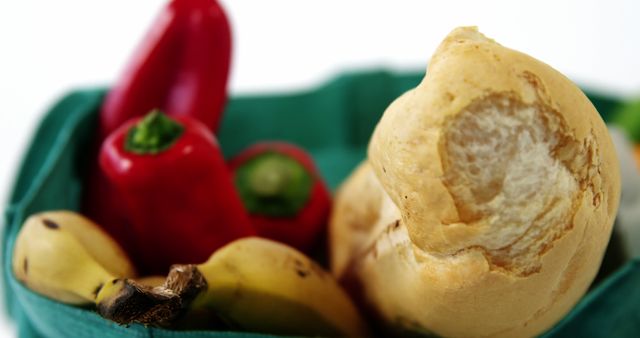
point(49, 47)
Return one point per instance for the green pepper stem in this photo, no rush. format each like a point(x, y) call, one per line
point(155, 133)
point(273, 184)
point(270, 177)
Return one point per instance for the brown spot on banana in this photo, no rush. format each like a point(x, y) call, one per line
point(300, 268)
point(97, 289)
point(50, 224)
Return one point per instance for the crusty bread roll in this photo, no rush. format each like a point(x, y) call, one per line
point(355, 213)
point(487, 199)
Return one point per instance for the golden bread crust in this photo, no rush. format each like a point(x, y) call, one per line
point(464, 259)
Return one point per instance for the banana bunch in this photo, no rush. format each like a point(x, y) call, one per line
point(67, 257)
point(251, 284)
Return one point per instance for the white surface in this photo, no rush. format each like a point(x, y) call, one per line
point(48, 47)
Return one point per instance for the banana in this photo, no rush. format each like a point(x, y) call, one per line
point(264, 286)
point(67, 257)
point(251, 284)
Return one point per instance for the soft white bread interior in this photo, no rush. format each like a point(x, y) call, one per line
point(500, 185)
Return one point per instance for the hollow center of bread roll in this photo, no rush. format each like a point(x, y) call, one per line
point(505, 169)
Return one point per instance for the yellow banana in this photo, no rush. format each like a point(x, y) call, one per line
point(264, 286)
point(67, 257)
point(252, 284)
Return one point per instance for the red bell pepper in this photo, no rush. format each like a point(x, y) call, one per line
point(178, 196)
point(181, 67)
point(283, 193)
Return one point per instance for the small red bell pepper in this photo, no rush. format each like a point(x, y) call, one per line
point(181, 67)
point(283, 193)
point(178, 196)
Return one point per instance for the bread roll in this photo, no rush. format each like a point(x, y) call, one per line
point(498, 187)
point(356, 220)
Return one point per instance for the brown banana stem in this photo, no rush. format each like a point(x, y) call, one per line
point(126, 301)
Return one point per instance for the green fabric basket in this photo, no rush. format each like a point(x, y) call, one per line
point(333, 122)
